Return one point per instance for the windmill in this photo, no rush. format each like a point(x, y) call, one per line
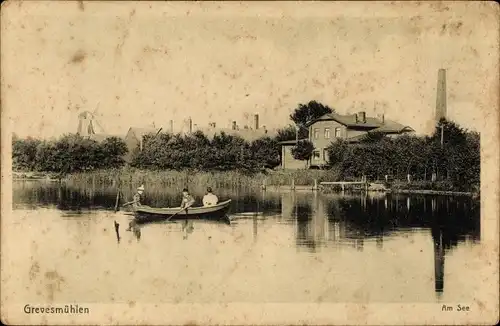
point(87, 123)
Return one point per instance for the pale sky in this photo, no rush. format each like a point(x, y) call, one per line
point(152, 62)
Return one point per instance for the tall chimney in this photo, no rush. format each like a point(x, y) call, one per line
point(190, 125)
point(172, 126)
point(256, 121)
point(234, 125)
point(441, 95)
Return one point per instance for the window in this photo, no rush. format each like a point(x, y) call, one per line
point(327, 133)
point(316, 155)
point(338, 133)
point(316, 133)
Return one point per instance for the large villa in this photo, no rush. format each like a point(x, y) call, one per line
point(352, 128)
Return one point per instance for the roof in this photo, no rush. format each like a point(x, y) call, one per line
point(349, 120)
point(376, 124)
point(288, 142)
point(390, 126)
point(101, 137)
point(390, 129)
point(139, 132)
point(246, 134)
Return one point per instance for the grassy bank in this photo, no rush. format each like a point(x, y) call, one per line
point(226, 179)
point(415, 187)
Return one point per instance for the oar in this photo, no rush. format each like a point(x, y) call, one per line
point(128, 203)
point(185, 208)
point(117, 208)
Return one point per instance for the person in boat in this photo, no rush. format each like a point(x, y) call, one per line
point(187, 199)
point(136, 202)
point(138, 196)
point(210, 199)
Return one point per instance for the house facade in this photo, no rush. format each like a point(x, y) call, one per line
point(352, 128)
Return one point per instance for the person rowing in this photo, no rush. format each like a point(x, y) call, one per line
point(187, 199)
point(136, 202)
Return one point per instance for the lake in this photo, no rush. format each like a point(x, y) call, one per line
point(280, 247)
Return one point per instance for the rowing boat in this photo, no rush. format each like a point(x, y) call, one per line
point(147, 213)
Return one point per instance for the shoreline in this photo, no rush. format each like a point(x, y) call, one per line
point(274, 180)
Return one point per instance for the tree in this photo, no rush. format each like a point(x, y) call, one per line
point(303, 150)
point(113, 149)
point(372, 137)
point(305, 113)
point(287, 133)
point(24, 153)
point(266, 152)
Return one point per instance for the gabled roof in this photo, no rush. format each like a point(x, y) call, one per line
point(246, 134)
point(349, 120)
point(390, 126)
point(375, 124)
point(101, 137)
point(140, 132)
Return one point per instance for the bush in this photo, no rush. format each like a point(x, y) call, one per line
point(456, 163)
point(70, 153)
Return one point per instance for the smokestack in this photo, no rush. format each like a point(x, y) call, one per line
point(172, 126)
point(256, 121)
point(441, 95)
point(234, 125)
point(190, 125)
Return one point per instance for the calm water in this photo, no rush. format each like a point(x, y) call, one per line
point(279, 247)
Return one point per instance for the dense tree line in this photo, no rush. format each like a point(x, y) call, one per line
point(70, 153)
point(196, 151)
point(456, 159)
point(73, 153)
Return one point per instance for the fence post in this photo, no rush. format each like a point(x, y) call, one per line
point(293, 184)
point(315, 187)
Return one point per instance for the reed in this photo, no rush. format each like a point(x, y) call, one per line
point(131, 177)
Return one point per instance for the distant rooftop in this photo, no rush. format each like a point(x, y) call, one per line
point(357, 121)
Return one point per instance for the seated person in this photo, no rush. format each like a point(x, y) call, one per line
point(210, 199)
point(187, 199)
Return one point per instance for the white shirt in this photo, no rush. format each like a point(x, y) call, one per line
point(210, 200)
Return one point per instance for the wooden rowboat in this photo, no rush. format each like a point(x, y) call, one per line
point(147, 213)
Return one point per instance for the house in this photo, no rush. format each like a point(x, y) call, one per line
point(134, 139)
point(352, 128)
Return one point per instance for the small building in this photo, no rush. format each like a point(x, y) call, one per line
point(352, 128)
point(134, 139)
point(287, 159)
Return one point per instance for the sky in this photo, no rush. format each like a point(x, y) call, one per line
point(136, 64)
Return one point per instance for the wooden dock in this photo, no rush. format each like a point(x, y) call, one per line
point(344, 184)
point(364, 185)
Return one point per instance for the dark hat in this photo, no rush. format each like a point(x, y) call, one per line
point(209, 189)
point(185, 190)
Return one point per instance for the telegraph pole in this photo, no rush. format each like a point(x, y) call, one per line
point(442, 135)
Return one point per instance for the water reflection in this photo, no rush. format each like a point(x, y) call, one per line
point(335, 222)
